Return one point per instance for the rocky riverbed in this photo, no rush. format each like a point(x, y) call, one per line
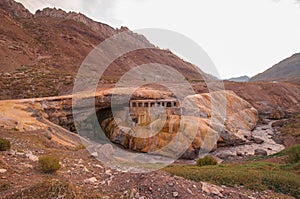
point(263, 141)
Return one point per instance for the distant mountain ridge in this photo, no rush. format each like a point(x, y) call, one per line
point(287, 70)
point(240, 79)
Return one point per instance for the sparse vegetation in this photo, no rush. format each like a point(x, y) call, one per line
point(254, 175)
point(292, 128)
point(49, 164)
point(36, 82)
point(258, 175)
point(55, 189)
point(293, 154)
point(80, 146)
point(4, 186)
point(4, 144)
point(207, 160)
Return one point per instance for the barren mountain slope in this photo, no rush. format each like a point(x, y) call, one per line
point(287, 70)
point(55, 40)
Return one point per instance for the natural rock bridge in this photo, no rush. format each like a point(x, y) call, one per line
point(52, 113)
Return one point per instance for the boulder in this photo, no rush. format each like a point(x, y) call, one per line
point(260, 152)
point(257, 140)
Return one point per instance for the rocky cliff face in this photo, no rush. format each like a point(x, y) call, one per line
point(78, 17)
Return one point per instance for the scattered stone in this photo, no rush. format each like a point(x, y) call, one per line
point(171, 184)
point(29, 166)
point(132, 193)
point(20, 153)
point(175, 194)
point(108, 172)
point(212, 189)
point(240, 154)
point(3, 170)
point(11, 152)
point(190, 192)
point(260, 152)
point(32, 157)
point(98, 166)
point(85, 169)
point(90, 180)
point(94, 154)
point(258, 140)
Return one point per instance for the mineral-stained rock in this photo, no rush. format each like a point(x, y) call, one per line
point(201, 133)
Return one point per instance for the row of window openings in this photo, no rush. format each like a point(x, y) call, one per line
point(153, 104)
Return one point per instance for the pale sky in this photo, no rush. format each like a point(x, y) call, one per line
point(242, 37)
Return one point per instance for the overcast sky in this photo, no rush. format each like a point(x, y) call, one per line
point(242, 37)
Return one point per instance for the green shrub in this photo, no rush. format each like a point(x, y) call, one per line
point(49, 164)
point(207, 160)
point(293, 154)
point(4, 144)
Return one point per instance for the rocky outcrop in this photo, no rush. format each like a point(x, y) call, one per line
point(241, 118)
point(78, 17)
point(15, 9)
